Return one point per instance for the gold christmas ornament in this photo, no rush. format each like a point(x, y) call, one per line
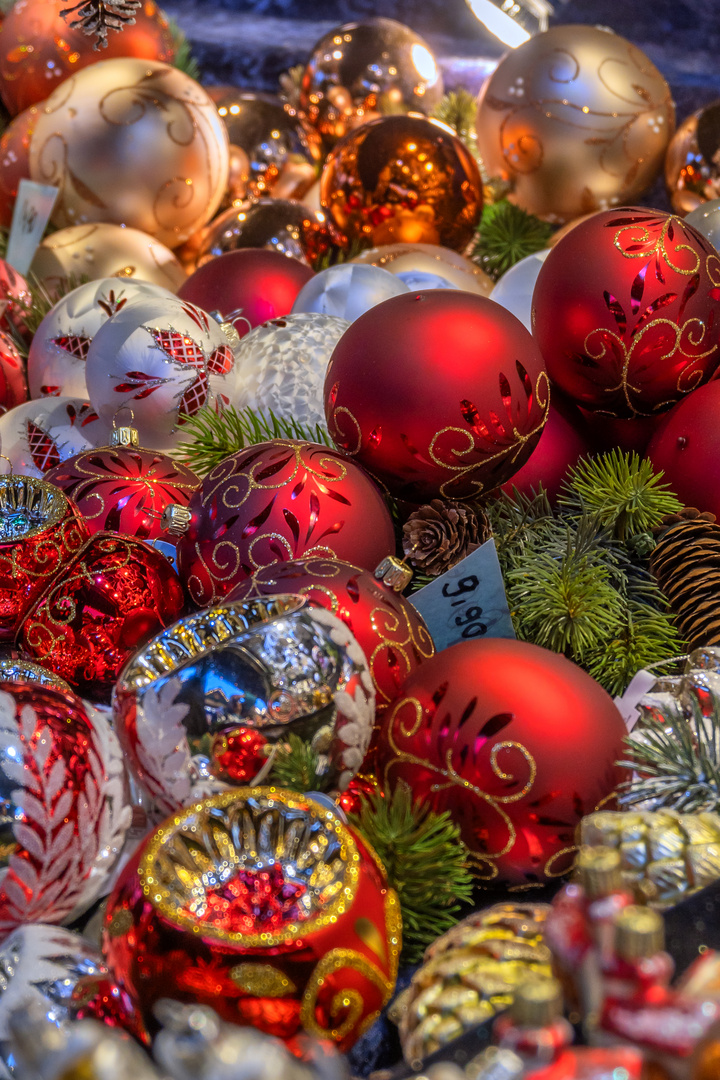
point(692, 164)
point(577, 119)
point(89, 252)
point(433, 259)
point(135, 142)
point(363, 70)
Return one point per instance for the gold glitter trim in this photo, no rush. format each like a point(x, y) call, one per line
point(262, 980)
point(336, 960)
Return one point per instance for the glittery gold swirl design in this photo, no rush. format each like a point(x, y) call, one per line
point(349, 1001)
point(262, 980)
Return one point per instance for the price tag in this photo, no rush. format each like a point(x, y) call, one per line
point(33, 207)
point(638, 687)
point(467, 601)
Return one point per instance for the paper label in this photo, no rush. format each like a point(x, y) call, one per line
point(33, 207)
point(638, 687)
point(467, 601)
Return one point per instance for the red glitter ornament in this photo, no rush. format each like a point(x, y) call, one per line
point(255, 283)
point(440, 393)
point(686, 447)
point(626, 311)
point(15, 291)
point(516, 742)
point(13, 384)
point(562, 442)
point(277, 501)
point(112, 597)
point(239, 754)
point(15, 159)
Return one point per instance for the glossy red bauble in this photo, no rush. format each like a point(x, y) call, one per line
point(562, 442)
point(277, 501)
point(13, 383)
point(255, 283)
point(439, 393)
point(15, 160)
point(15, 292)
point(516, 742)
point(626, 311)
point(686, 446)
point(115, 595)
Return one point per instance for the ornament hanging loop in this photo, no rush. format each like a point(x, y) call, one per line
point(126, 436)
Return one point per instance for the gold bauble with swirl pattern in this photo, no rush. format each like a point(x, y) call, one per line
point(134, 142)
point(434, 259)
point(577, 119)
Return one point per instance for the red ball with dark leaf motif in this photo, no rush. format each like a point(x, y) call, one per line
point(13, 384)
point(278, 501)
point(439, 393)
point(562, 442)
point(516, 742)
point(626, 311)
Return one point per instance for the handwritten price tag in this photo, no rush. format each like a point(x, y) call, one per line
point(467, 601)
point(33, 207)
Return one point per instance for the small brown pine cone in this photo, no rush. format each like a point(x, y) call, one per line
point(688, 513)
point(440, 534)
point(686, 564)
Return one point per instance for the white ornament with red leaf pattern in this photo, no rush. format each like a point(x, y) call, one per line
point(40, 434)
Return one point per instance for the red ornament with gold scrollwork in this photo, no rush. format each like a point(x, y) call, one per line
point(260, 903)
point(626, 311)
point(277, 501)
point(13, 384)
point(440, 393)
point(516, 742)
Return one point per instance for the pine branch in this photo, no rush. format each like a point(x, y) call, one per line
point(184, 59)
point(506, 235)
point(647, 637)
point(98, 16)
point(290, 81)
point(458, 110)
point(425, 862)
point(295, 766)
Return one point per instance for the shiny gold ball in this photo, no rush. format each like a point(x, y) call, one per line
point(134, 142)
point(430, 259)
point(577, 119)
point(402, 179)
point(692, 164)
point(363, 70)
point(282, 225)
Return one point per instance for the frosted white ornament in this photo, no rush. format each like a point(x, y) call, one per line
point(515, 288)
point(347, 291)
point(706, 219)
point(420, 280)
point(38, 435)
point(56, 361)
point(282, 365)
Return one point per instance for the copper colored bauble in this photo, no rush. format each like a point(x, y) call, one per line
point(252, 285)
point(277, 501)
point(134, 142)
point(576, 119)
point(263, 905)
point(437, 393)
point(389, 630)
point(563, 440)
point(282, 225)
point(40, 532)
point(433, 259)
point(363, 70)
point(112, 597)
point(626, 311)
point(692, 164)
point(686, 446)
point(516, 742)
point(13, 384)
point(271, 149)
point(64, 805)
point(15, 159)
point(402, 179)
point(69, 256)
point(39, 49)
point(39, 434)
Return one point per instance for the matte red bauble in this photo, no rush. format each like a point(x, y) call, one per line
point(115, 595)
point(686, 446)
point(628, 434)
point(15, 160)
point(253, 283)
point(516, 742)
point(13, 384)
point(626, 311)
point(562, 442)
point(437, 393)
point(277, 501)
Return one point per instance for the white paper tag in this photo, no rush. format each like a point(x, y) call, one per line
point(639, 686)
point(33, 207)
point(467, 601)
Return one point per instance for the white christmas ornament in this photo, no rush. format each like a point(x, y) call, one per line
point(56, 361)
point(515, 288)
point(347, 291)
point(165, 359)
point(420, 280)
point(282, 365)
point(706, 219)
point(38, 435)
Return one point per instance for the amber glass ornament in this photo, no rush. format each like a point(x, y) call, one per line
point(263, 905)
point(402, 179)
point(516, 742)
point(39, 49)
point(15, 160)
point(282, 225)
point(576, 120)
point(134, 142)
point(692, 164)
point(363, 70)
point(626, 311)
point(433, 259)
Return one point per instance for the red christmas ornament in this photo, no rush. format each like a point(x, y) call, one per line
point(516, 742)
point(562, 442)
point(13, 384)
point(686, 447)
point(254, 283)
point(113, 596)
point(608, 433)
point(15, 160)
point(15, 291)
point(277, 501)
point(123, 488)
point(218, 907)
point(437, 393)
point(40, 532)
point(239, 754)
point(38, 48)
point(626, 311)
point(351, 800)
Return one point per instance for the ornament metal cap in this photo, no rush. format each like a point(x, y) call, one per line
point(176, 519)
point(599, 871)
point(394, 573)
point(639, 933)
point(537, 1003)
point(124, 436)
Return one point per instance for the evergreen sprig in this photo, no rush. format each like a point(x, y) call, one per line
point(296, 766)
point(425, 860)
point(211, 436)
point(647, 637)
point(183, 57)
point(458, 109)
point(506, 235)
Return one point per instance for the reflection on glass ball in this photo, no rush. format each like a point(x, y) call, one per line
point(692, 164)
point(278, 224)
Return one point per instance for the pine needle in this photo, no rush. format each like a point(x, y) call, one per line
point(184, 59)
point(296, 766)
point(647, 637)
point(458, 110)
point(506, 235)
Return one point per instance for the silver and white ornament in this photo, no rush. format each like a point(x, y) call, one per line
point(37, 435)
point(348, 291)
point(514, 290)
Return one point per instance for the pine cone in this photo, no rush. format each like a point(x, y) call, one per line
point(441, 533)
point(686, 563)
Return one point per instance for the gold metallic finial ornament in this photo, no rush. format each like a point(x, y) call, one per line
point(537, 1003)
point(639, 933)
point(394, 573)
point(176, 519)
point(598, 869)
point(512, 21)
point(124, 436)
